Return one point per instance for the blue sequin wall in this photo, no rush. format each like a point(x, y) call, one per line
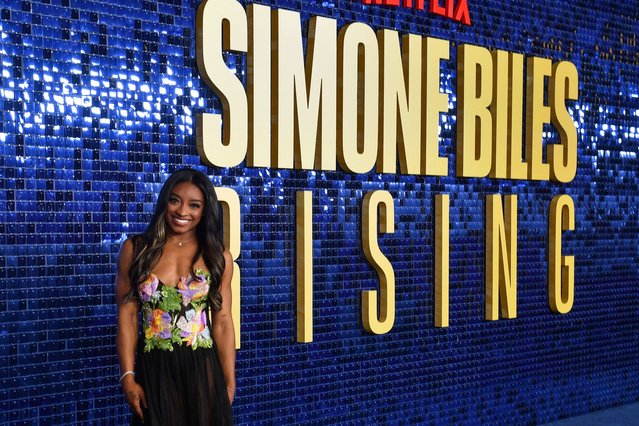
point(98, 102)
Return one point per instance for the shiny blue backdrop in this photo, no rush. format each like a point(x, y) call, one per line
point(97, 104)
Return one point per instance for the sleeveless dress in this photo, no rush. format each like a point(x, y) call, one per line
point(177, 363)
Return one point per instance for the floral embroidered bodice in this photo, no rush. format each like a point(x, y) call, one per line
point(175, 315)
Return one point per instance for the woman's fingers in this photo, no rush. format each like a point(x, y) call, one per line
point(136, 399)
point(143, 397)
point(138, 408)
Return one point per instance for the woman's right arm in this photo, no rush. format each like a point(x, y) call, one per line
point(127, 336)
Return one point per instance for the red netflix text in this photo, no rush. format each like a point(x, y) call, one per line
point(453, 9)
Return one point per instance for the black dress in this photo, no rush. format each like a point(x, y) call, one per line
point(177, 363)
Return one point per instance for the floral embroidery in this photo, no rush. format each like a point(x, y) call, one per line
point(173, 316)
point(159, 331)
point(193, 289)
point(159, 325)
point(194, 330)
point(170, 299)
point(147, 290)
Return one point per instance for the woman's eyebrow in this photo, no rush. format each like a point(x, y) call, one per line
point(173, 194)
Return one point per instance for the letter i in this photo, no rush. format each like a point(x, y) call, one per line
point(304, 221)
point(442, 250)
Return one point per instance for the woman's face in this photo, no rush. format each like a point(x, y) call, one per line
point(185, 207)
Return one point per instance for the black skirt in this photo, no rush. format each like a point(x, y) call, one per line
point(182, 387)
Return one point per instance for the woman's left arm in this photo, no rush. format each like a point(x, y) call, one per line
point(223, 331)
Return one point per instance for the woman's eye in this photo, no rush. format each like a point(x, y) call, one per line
point(195, 206)
point(173, 200)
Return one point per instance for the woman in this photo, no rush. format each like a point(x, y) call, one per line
point(178, 274)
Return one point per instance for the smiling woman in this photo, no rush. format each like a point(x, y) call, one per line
point(178, 275)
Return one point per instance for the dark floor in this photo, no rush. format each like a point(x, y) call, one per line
point(625, 415)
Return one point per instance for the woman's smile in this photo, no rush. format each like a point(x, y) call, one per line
point(181, 221)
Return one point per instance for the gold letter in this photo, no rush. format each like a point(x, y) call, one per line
point(259, 86)
point(401, 90)
point(499, 110)
point(304, 264)
point(474, 121)
point(501, 248)
point(230, 203)
point(380, 262)
point(563, 158)
point(537, 114)
point(435, 103)
point(213, 18)
point(561, 270)
point(517, 168)
point(303, 93)
point(357, 105)
point(442, 250)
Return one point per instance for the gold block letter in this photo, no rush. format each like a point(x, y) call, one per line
point(499, 109)
point(259, 86)
point(435, 103)
point(442, 250)
point(384, 322)
point(516, 167)
point(401, 98)
point(230, 203)
point(561, 269)
point(304, 262)
point(537, 114)
point(563, 158)
point(306, 99)
point(474, 120)
point(501, 257)
point(221, 25)
point(358, 98)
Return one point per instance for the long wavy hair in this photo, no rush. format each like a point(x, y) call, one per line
point(147, 247)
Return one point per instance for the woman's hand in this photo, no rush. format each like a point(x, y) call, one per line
point(134, 395)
